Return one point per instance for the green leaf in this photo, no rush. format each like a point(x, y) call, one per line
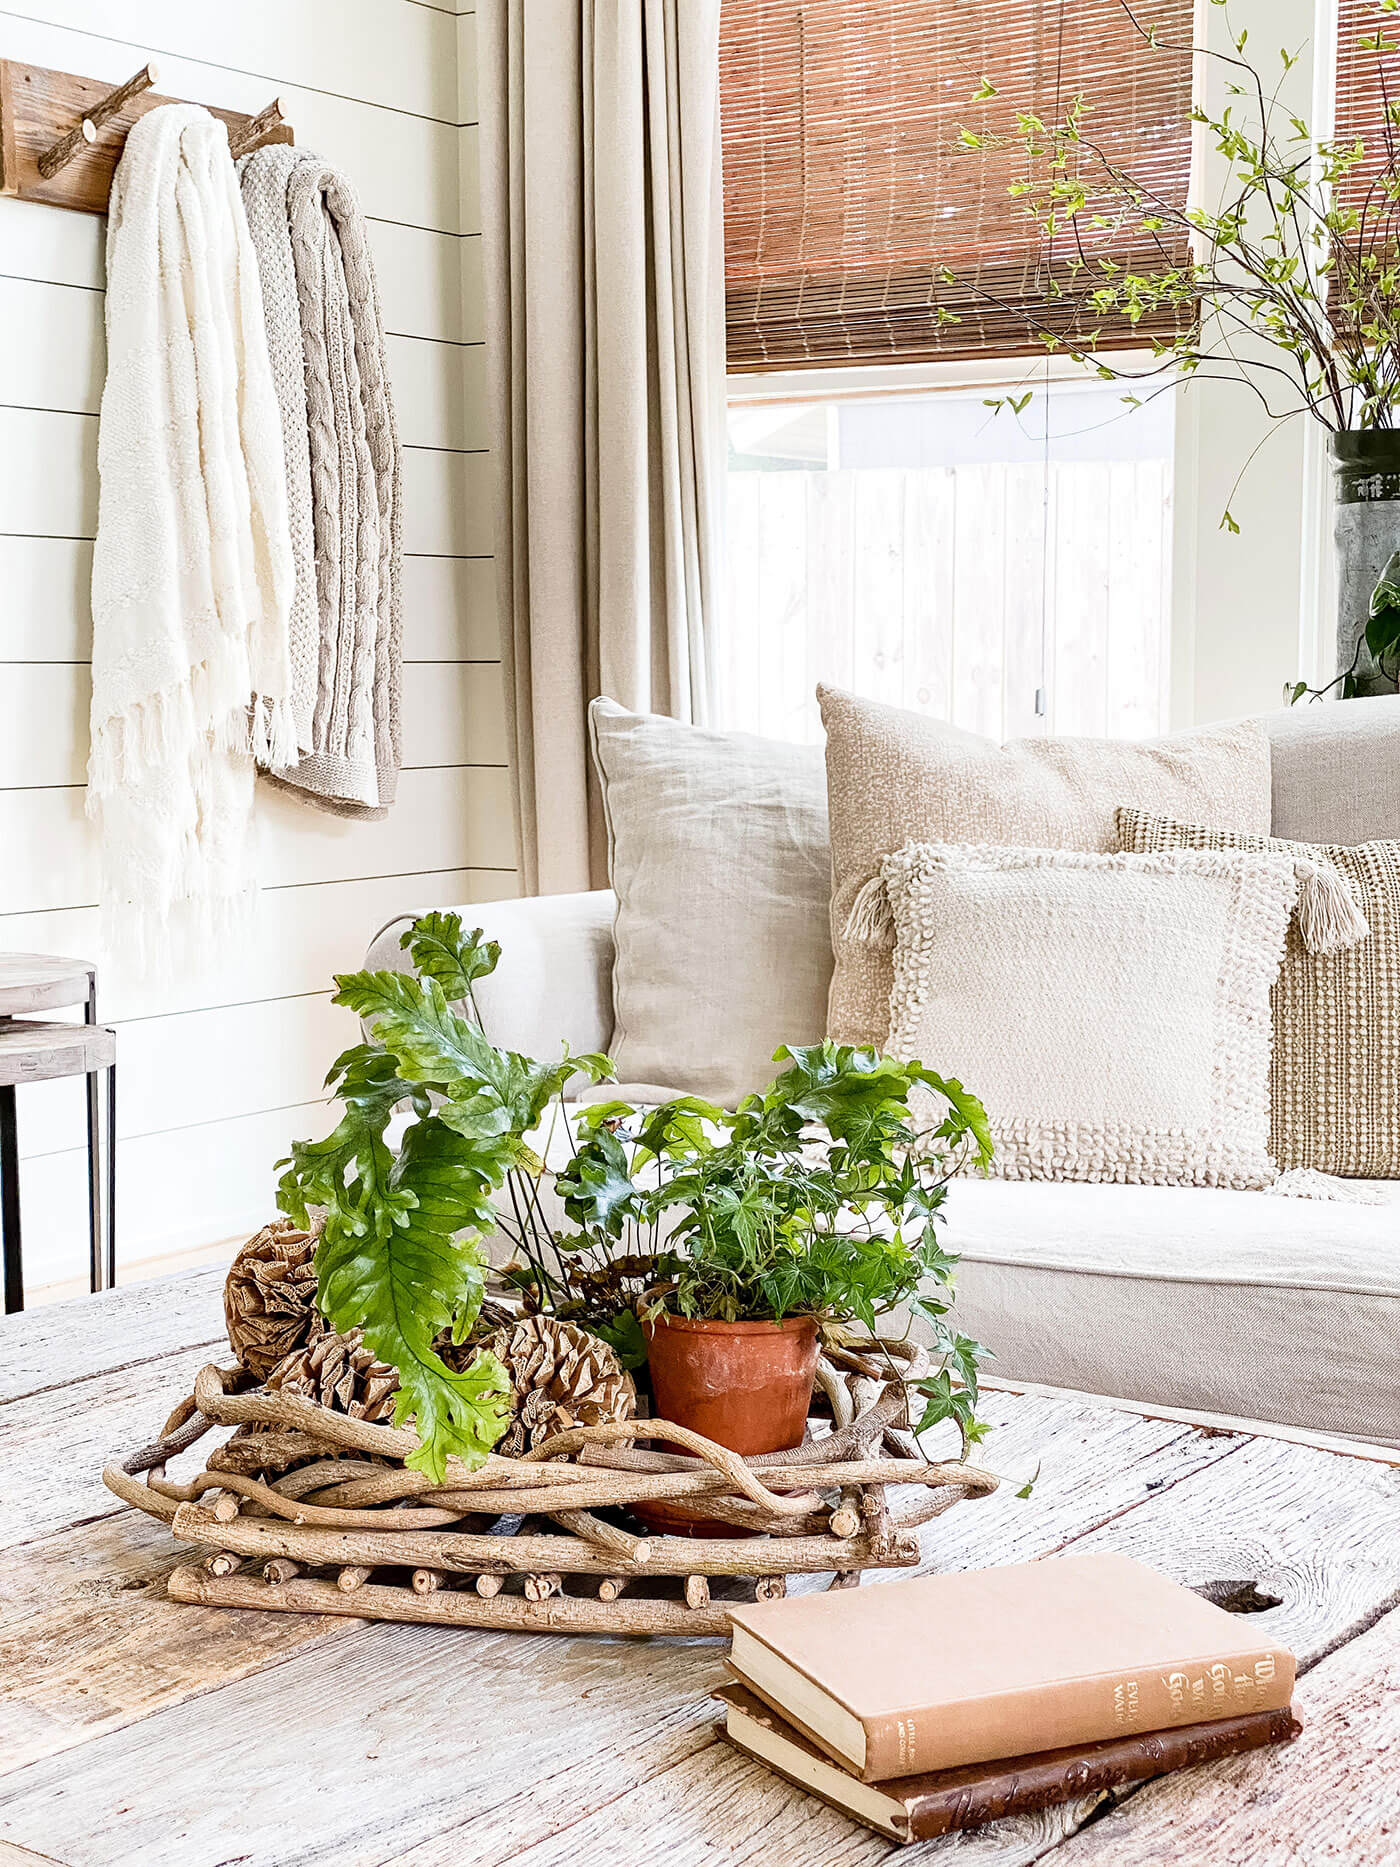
point(625, 1337)
point(1227, 522)
point(488, 1091)
point(439, 950)
point(400, 1259)
point(597, 1187)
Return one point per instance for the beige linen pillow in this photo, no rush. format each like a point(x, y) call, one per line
point(1336, 1057)
point(717, 851)
point(1111, 1011)
point(895, 777)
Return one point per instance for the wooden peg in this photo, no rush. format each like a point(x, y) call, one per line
point(488, 1585)
point(247, 140)
point(63, 151)
point(353, 1576)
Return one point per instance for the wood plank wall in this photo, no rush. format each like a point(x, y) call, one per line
point(221, 1070)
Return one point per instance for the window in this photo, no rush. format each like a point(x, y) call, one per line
point(887, 530)
point(923, 549)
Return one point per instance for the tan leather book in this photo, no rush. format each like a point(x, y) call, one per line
point(919, 1808)
point(939, 1671)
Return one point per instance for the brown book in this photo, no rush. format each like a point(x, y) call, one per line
point(919, 1808)
point(946, 1670)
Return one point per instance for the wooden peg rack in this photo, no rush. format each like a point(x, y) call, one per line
point(42, 110)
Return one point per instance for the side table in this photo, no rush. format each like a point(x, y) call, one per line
point(35, 1050)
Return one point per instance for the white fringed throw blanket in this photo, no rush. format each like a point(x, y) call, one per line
point(192, 570)
point(327, 347)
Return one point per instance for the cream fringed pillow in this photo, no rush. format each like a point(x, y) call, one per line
point(1111, 1011)
point(895, 777)
point(1336, 1007)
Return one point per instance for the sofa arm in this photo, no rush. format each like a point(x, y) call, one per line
point(554, 981)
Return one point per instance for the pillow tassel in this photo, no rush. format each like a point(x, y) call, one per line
point(871, 919)
point(1328, 918)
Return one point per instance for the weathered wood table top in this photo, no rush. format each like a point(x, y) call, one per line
point(134, 1730)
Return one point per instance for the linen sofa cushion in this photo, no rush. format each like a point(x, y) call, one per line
point(1336, 771)
point(1246, 1304)
point(894, 777)
point(1111, 1012)
point(717, 848)
point(1335, 1073)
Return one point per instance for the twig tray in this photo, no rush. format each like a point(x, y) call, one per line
point(313, 1511)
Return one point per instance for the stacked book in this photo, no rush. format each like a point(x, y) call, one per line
point(947, 1701)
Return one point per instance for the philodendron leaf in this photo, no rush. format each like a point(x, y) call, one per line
point(399, 1259)
point(344, 1171)
point(440, 950)
point(488, 1091)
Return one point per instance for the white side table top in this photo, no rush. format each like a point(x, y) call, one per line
point(33, 1051)
point(42, 982)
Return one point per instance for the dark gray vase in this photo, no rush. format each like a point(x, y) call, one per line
point(1366, 527)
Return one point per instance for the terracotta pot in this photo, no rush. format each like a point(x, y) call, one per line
point(747, 1385)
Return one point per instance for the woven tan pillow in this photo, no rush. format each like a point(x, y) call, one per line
point(1335, 1080)
point(895, 777)
point(1110, 1011)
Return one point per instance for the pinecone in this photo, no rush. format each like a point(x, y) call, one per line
point(560, 1376)
point(339, 1372)
point(270, 1297)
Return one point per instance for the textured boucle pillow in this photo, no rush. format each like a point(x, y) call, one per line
point(1111, 1011)
point(895, 777)
point(1335, 1082)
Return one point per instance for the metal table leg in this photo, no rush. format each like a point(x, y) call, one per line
point(9, 1202)
point(102, 1199)
point(93, 1160)
point(111, 1266)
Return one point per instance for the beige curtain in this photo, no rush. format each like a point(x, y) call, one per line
point(600, 179)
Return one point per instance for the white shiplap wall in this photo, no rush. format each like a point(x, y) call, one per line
point(220, 1071)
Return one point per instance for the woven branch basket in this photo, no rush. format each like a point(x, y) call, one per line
point(312, 1511)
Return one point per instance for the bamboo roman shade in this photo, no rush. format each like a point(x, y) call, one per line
point(847, 190)
point(1367, 78)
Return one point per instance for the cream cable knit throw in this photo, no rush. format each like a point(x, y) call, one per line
point(322, 309)
point(192, 571)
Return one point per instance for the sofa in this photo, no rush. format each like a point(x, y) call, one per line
point(1251, 1305)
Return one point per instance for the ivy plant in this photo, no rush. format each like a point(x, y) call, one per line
point(400, 1251)
point(821, 1196)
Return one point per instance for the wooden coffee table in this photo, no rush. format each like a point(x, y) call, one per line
point(134, 1730)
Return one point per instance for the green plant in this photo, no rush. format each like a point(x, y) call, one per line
point(1289, 283)
point(399, 1255)
point(1300, 249)
point(821, 1196)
